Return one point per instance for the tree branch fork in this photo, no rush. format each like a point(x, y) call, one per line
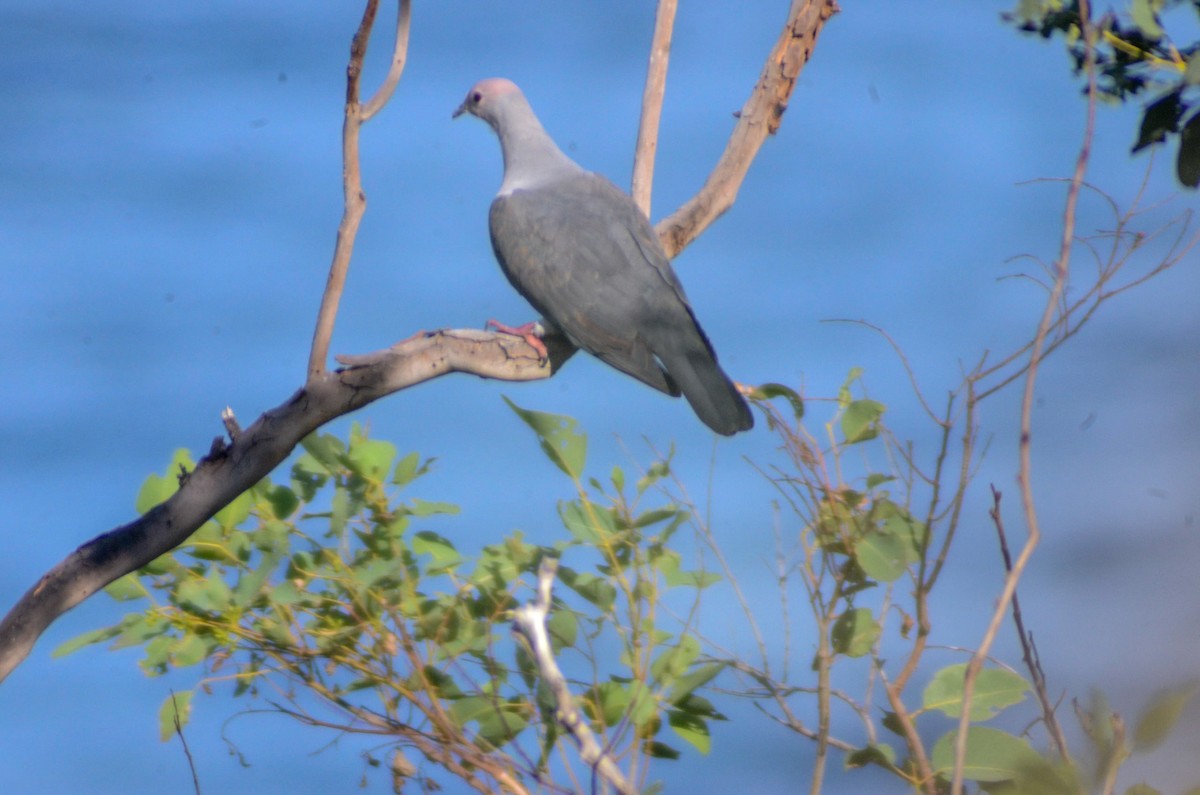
point(231, 467)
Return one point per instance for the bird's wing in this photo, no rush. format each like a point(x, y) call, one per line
point(582, 254)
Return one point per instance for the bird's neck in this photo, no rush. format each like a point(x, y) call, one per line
point(531, 158)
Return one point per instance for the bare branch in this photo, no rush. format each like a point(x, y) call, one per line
point(1062, 269)
point(399, 57)
point(354, 199)
point(1028, 649)
point(759, 117)
point(230, 469)
point(529, 622)
point(652, 99)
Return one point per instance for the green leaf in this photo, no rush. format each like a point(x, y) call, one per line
point(325, 454)
point(1160, 717)
point(408, 469)
point(673, 662)
point(126, 589)
point(174, 714)
point(426, 508)
point(284, 501)
point(995, 689)
point(1160, 119)
point(992, 755)
point(1187, 167)
point(587, 522)
point(205, 594)
point(563, 628)
point(884, 556)
point(674, 576)
point(444, 555)
point(560, 438)
point(189, 650)
point(1142, 789)
point(1145, 16)
point(880, 754)
point(235, 512)
point(662, 751)
point(860, 420)
point(158, 488)
point(771, 391)
point(694, 679)
point(371, 459)
point(692, 729)
point(86, 639)
point(854, 632)
point(592, 588)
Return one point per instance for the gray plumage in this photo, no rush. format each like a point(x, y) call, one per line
point(587, 259)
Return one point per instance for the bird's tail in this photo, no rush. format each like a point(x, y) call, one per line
point(711, 394)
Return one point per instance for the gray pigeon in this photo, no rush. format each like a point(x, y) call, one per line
point(585, 256)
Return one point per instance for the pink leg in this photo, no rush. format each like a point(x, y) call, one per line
point(525, 332)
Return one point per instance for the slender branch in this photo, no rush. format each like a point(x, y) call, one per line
point(1025, 472)
point(652, 99)
point(759, 117)
point(399, 57)
point(1029, 650)
point(529, 623)
point(354, 199)
point(187, 752)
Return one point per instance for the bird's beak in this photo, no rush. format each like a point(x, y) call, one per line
point(461, 109)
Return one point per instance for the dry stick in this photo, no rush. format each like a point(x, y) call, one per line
point(186, 751)
point(1025, 471)
point(759, 117)
point(354, 199)
point(529, 623)
point(227, 471)
point(1029, 651)
point(652, 99)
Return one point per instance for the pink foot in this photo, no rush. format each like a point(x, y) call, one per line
point(526, 332)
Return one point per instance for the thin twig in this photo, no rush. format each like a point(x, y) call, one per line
point(186, 751)
point(1029, 651)
point(652, 99)
point(1025, 472)
point(354, 199)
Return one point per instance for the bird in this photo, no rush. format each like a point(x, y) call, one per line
point(586, 258)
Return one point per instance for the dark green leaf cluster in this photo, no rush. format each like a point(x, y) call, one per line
point(1135, 55)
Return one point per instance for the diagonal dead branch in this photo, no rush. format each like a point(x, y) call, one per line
point(354, 199)
point(760, 116)
point(1062, 269)
point(652, 99)
point(529, 623)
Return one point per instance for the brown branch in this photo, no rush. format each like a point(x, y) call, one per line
point(354, 199)
point(230, 469)
point(1028, 650)
point(759, 117)
point(652, 99)
point(1062, 269)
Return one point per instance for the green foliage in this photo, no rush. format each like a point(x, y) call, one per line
point(995, 689)
point(337, 590)
point(339, 593)
point(1135, 56)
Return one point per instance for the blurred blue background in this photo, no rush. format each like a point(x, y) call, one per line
point(170, 185)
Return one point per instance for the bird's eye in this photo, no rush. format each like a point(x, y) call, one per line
point(477, 97)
